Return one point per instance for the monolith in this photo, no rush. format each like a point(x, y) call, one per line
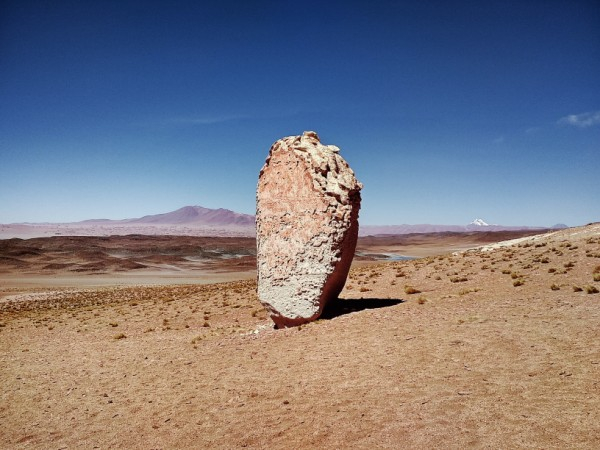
point(307, 204)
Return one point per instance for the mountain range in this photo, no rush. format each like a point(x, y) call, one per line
point(188, 215)
point(200, 221)
point(375, 230)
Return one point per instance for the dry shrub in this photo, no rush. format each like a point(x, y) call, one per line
point(458, 279)
point(468, 291)
point(411, 290)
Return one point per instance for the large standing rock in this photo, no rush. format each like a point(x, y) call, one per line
point(307, 206)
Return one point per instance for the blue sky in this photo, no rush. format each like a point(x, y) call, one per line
point(446, 111)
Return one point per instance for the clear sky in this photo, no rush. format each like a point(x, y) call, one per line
point(446, 110)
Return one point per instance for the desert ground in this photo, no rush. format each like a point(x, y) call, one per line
point(493, 347)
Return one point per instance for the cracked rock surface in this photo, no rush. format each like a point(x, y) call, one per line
point(307, 205)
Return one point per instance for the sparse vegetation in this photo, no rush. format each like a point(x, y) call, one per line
point(235, 341)
point(411, 290)
point(519, 282)
point(458, 279)
point(591, 289)
point(468, 291)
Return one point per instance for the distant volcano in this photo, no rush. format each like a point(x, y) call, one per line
point(479, 223)
point(195, 215)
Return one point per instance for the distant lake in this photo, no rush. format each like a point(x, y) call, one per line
point(395, 257)
point(386, 256)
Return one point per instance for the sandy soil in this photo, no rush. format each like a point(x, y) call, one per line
point(500, 349)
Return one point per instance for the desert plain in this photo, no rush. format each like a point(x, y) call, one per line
point(160, 342)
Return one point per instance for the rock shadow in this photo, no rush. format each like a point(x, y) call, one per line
point(341, 306)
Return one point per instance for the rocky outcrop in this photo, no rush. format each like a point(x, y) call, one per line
point(307, 206)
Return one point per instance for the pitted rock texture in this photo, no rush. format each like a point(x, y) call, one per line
point(307, 205)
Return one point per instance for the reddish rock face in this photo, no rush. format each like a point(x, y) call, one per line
point(307, 206)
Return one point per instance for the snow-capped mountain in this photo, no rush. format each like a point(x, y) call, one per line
point(480, 223)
